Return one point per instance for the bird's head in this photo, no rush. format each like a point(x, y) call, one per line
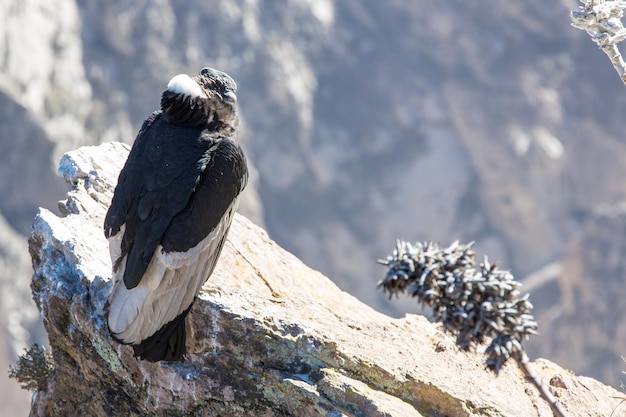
point(208, 98)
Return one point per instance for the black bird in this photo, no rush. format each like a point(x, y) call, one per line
point(172, 207)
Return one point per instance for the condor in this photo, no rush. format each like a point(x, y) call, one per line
point(172, 207)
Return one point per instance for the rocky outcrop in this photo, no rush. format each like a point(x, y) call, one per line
point(269, 336)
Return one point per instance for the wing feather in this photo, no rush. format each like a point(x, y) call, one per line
point(156, 183)
point(126, 189)
point(173, 242)
point(172, 282)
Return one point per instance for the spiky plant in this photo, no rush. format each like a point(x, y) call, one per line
point(475, 304)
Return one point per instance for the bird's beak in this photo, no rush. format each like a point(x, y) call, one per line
point(230, 97)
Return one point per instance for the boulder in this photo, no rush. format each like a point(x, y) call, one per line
point(268, 336)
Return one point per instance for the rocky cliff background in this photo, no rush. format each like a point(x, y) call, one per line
point(366, 121)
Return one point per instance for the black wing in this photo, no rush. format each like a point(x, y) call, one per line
point(225, 176)
point(123, 195)
point(156, 183)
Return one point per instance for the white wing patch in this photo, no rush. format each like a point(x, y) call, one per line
point(169, 286)
point(183, 84)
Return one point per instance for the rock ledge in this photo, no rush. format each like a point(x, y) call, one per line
point(268, 336)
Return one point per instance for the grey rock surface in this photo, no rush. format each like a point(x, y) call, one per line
point(269, 336)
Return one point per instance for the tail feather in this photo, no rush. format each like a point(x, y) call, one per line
point(167, 344)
